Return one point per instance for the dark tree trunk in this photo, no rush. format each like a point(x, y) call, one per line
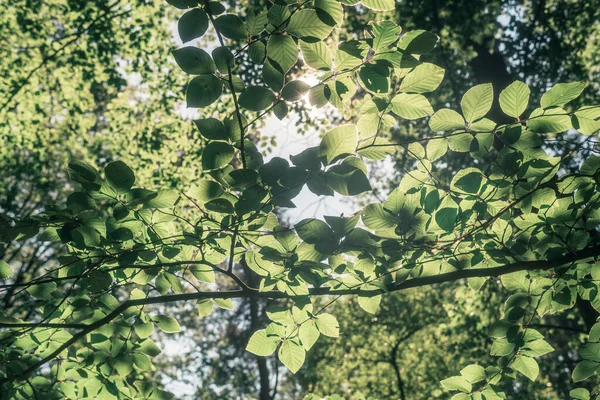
point(255, 324)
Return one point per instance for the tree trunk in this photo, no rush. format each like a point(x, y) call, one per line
point(255, 323)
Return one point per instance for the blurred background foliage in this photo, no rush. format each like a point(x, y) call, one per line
point(95, 80)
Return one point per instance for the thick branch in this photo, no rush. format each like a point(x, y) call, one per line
point(321, 291)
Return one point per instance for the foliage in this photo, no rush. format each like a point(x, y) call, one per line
point(513, 213)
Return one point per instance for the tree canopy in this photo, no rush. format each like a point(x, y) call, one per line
point(502, 182)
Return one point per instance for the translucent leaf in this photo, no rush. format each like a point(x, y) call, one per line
point(317, 55)
point(369, 304)
point(339, 141)
point(205, 307)
point(379, 5)
point(257, 52)
point(477, 101)
point(224, 303)
point(587, 120)
point(216, 155)
point(584, 370)
point(446, 218)
point(329, 11)
point(282, 52)
point(418, 42)
point(5, 270)
point(436, 148)
point(473, 373)
point(552, 120)
point(292, 355)
point(561, 94)
point(457, 383)
point(261, 344)
point(166, 324)
point(514, 99)
point(294, 90)
point(328, 325)
point(411, 106)
point(231, 26)
point(385, 32)
point(446, 120)
point(526, 366)
point(306, 25)
point(423, 78)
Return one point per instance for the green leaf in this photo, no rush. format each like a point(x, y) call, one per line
point(257, 51)
point(374, 216)
point(124, 364)
point(473, 373)
point(527, 366)
point(584, 370)
point(231, 26)
point(194, 61)
point(446, 120)
point(256, 98)
point(119, 176)
point(369, 304)
point(477, 101)
point(282, 52)
point(317, 55)
point(280, 109)
point(42, 291)
point(423, 78)
point(411, 106)
point(205, 190)
point(338, 142)
point(216, 155)
point(203, 90)
point(457, 383)
point(166, 324)
point(436, 148)
point(261, 344)
point(379, 5)
point(561, 94)
point(222, 206)
point(329, 11)
point(224, 59)
point(5, 270)
point(327, 325)
point(467, 180)
point(418, 42)
point(212, 129)
point(143, 330)
point(375, 77)
point(294, 90)
point(309, 334)
point(205, 307)
point(580, 394)
point(162, 199)
point(227, 304)
point(313, 231)
point(514, 99)
point(587, 120)
point(385, 32)
point(306, 25)
point(192, 25)
point(552, 120)
point(292, 355)
point(446, 218)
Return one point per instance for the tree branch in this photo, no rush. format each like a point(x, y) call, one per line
point(320, 291)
